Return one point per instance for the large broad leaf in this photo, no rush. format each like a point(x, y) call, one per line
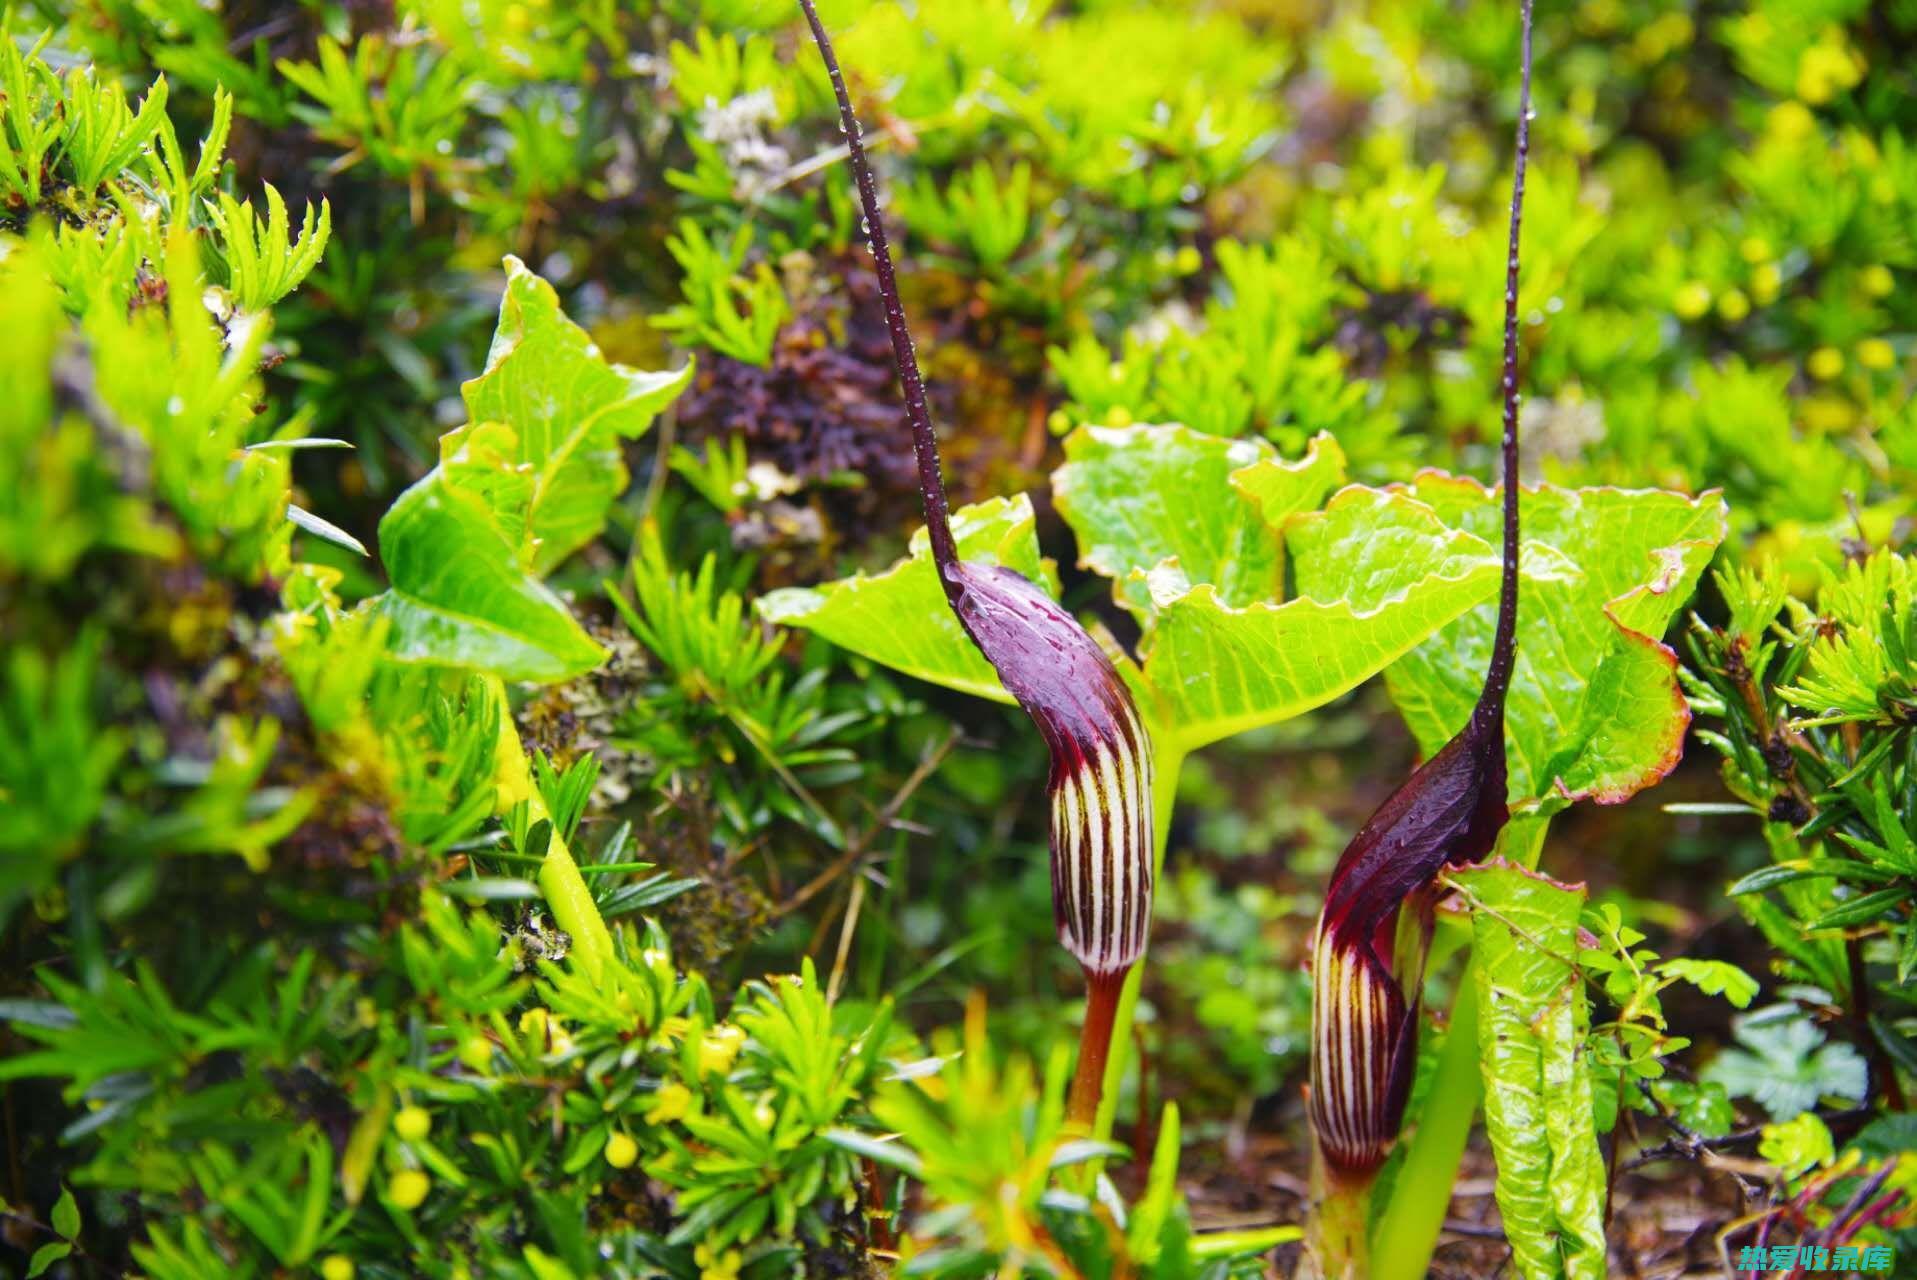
point(1283, 489)
point(1377, 574)
point(1179, 521)
point(1533, 1016)
point(460, 597)
point(900, 617)
point(1595, 707)
point(1154, 511)
point(566, 407)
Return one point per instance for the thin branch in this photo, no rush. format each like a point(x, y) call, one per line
point(858, 848)
point(1690, 1145)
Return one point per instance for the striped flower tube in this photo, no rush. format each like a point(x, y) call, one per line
point(1100, 785)
point(1368, 952)
point(1101, 778)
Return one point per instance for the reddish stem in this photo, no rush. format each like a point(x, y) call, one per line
point(1094, 1045)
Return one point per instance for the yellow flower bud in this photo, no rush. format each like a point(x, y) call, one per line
point(1766, 282)
point(1692, 301)
point(336, 1266)
point(1118, 416)
point(412, 1124)
point(1827, 68)
point(547, 1032)
point(1755, 249)
point(1187, 260)
point(1790, 121)
point(1825, 363)
point(1875, 353)
point(670, 1103)
point(476, 1052)
point(718, 1048)
point(1878, 281)
point(621, 1151)
point(714, 1265)
point(407, 1189)
point(1733, 305)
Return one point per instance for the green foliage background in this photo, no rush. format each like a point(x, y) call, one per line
point(579, 286)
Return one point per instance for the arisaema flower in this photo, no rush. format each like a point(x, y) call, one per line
point(1100, 784)
point(1367, 954)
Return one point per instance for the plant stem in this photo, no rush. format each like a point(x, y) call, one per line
point(1336, 1243)
point(1408, 1228)
point(1102, 992)
point(566, 891)
point(1883, 1072)
point(1166, 762)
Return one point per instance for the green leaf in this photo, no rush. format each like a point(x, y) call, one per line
point(567, 408)
point(1862, 909)
point(1782, 873)
point(1282, 489)
point(1595, 707)
point(1785, 1065)
point(900, 618)
point(1703, 1108)
point(1158, 500)
point(1153, 1209)
point(321, 527)
point(1369, 593)
point(45, 1256)
point(460, 597)
point(66, 1215)
point(1713, 978)
point(1538, 1107)
point(1797, 1145)
point(1377, 575)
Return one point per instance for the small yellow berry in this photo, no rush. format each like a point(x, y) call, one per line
point(1875, 353)
point(336, 1266)
point(1692, 301)
point(412, 1124)
point(476, 1052)
point(407, 1189)
point(1059, 422)
point(1791, 121)
point(546, 1032)
point(714, 1265)
point(1825, 69)
point(670, 1103)
point(718, 1048)
point(1118, 416)
point(1766, 282)
point(621, 1151)
point(1733, 305)
point(1825, 363)
point(1187, 260)
point(1878, 281)
point(1755, 249)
